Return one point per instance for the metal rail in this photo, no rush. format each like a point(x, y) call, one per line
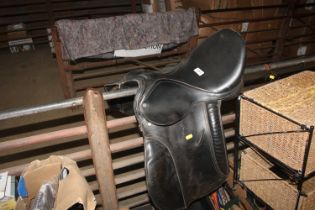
point(69, 103)
point(74, 102)
point(280, 64)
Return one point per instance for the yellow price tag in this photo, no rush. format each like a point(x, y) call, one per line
point(272, 77)
point(189, 137)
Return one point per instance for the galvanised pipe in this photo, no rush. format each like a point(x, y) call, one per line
point(74, 102)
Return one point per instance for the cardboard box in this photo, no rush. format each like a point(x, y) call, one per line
point(16, 31)
point(17, 38)
point(21, 45)
point(15, 35)
point(72, 188)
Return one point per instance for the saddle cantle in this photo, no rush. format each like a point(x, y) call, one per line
point(179, 116)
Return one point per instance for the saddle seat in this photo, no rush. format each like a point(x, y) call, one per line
point(212, 72)
point(179, 115)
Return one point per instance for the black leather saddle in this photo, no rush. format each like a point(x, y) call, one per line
point(179, 115)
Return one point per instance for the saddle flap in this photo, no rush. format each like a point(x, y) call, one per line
point(182, 162)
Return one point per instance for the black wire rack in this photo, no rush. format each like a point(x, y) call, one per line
point(294, 176)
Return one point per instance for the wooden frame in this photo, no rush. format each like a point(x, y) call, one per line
point(121, 190)
point(67, 70)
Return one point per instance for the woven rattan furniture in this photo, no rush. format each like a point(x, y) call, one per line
point(278, 193)
point(277, 121)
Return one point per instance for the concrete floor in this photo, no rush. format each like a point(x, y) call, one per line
point(28, 78)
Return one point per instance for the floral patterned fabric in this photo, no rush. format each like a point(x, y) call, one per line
point(92, 37)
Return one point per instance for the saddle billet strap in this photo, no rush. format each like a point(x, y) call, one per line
point(187, 160)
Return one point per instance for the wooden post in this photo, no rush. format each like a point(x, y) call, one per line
point(49, 8)
point(95, 118)
point(133, 6)
point(285, 25)
point(64, 75)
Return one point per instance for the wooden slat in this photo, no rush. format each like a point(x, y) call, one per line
point(75, 5)
point(128, 144)
point(118, 147)
point(64, 133)
point(124, 68)
point(20, 3)
point(82, 13)
point(249, 7)
point(128, 160)
point(76, 156)
point(23, 10)
point(130, 190)
point(23, 19)
point(119, 179)
point(41, 138)
point(93, 185)
point(86, 154)
point(86, 65)
point(118, 164)
point(129, 176)
point(134, 201)
point(89, 171)
point(228, 118)
point(126, 191)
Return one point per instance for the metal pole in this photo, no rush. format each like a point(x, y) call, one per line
point(74, 102)
point(280, 64)
point(304, 165)
point(69, 103)
point(236, 142)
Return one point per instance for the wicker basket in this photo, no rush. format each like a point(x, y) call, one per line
point(279, 194)
point(271, 117)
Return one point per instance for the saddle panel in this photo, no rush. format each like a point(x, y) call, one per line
point(181, 160)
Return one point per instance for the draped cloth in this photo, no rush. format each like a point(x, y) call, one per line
point(93, 37)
